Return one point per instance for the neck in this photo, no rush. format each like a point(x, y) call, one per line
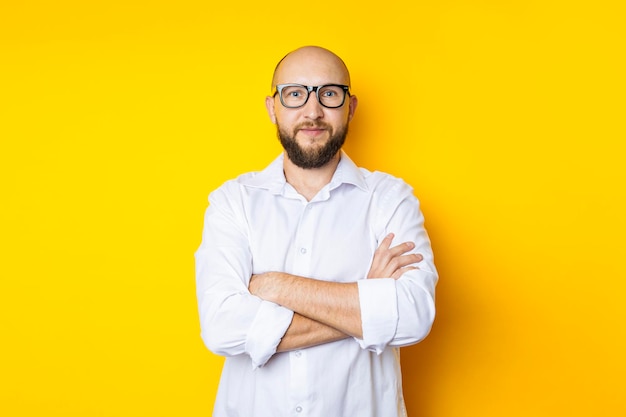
point(308, 182)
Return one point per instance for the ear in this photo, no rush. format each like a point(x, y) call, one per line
point(269, 105)
point(352, 107)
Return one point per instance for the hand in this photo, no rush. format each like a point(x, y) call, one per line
point(391, 262)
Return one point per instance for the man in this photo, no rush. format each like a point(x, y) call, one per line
point(298, 282)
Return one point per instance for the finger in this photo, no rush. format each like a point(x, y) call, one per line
point(386, 242)
point(401, 271)
point(402, 248)
point(402, 261)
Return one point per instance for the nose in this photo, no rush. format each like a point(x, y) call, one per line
point(312, 108)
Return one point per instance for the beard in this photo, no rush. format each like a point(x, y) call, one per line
point(314, 157)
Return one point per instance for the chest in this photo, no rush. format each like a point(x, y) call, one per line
point(332, 240)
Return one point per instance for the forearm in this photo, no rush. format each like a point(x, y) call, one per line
point(305, 332)
point(333, 304)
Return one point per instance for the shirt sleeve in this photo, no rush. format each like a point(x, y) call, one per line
point(399, 312)
point(233, 321)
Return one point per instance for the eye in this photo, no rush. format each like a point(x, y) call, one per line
point(331, 92)
point(294, 92)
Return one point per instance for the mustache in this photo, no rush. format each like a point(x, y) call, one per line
point(312, 125)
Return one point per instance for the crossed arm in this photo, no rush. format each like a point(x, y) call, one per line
point(328, 311)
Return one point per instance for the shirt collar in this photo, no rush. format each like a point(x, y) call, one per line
point(273, 179)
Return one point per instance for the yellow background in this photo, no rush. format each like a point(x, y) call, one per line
point(117, 118)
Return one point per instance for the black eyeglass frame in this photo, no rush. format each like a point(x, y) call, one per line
point(279, 88)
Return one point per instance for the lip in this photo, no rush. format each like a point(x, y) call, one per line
point(312, 131)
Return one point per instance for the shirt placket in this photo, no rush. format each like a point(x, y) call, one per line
point(300, 404)
point(304, 242)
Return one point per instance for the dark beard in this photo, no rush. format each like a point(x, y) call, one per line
point(312, 158)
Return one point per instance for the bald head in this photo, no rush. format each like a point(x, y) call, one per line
point(311, 65)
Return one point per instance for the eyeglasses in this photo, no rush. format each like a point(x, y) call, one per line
point(293, 96)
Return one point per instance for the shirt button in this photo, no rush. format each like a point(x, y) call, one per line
point(298, 353)
point(303, 250)
point(298, 409)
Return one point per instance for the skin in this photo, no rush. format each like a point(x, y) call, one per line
point(324, 311)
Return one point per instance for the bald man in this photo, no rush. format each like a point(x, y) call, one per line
point(313, 273)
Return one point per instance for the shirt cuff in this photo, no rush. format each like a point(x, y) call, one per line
point(379, 312)
point(268, 328)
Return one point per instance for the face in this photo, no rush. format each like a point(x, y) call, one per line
point(311, 135)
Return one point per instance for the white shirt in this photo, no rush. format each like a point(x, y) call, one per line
point(259, 223)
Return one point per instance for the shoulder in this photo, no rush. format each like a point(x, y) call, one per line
point(231, 190)
point(389, 193)
point(386, 185)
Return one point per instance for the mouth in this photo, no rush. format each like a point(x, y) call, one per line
point(313, 131)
